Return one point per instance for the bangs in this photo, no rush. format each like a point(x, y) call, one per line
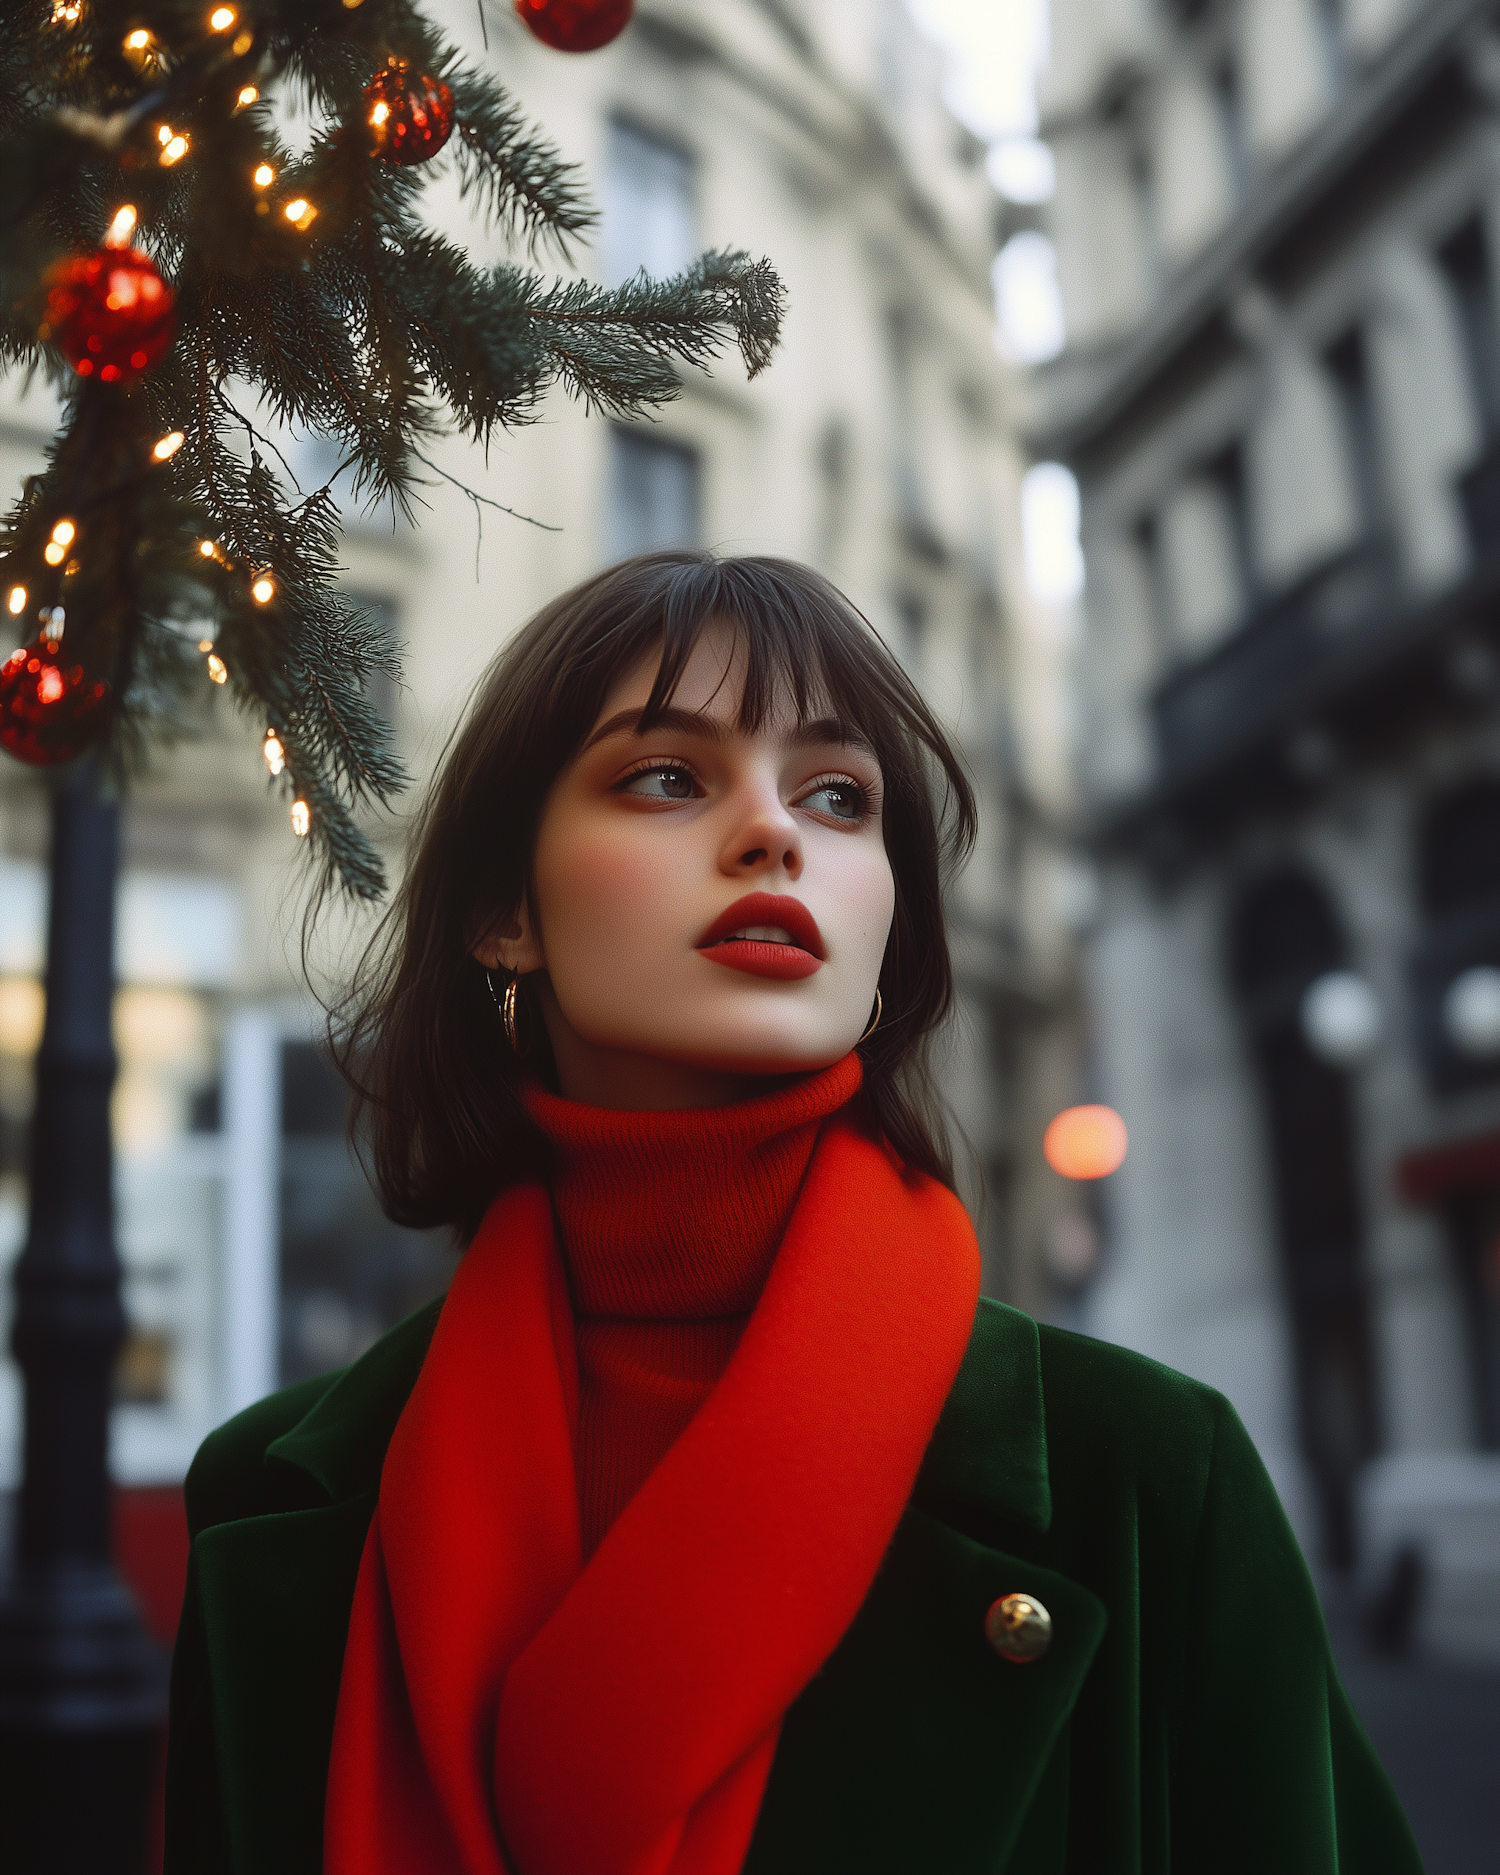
point(797, 644)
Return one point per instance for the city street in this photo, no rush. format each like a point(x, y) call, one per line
point(1437, 1728)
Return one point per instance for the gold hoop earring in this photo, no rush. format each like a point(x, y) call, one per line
point(874, 1020)
point(506, 1004)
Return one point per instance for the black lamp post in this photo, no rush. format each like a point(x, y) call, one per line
point(82, 1686)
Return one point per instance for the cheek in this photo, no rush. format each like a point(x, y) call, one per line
point(594, 887)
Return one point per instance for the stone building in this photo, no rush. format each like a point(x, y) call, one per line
point(1278, 226)
point(880, 446)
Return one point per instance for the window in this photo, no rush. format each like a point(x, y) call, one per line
point(654, 494)
point(1227, 473)
point(1232, 120)
point(649, 219)
point(1465, 262)
point(1348, 368)
point(1328, 18)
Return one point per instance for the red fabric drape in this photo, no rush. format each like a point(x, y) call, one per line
point(507, 1710)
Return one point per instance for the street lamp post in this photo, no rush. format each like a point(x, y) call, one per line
point(81, 1683)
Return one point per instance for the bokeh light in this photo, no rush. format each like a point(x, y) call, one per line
point(1086, 1142)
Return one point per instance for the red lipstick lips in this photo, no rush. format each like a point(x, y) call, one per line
point(797, 956)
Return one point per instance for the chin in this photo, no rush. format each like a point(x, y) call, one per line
point(747, 1049)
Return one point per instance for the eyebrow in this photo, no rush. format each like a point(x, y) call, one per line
point(713, 729)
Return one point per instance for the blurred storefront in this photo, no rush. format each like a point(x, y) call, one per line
point(1278, 232)
point(881, 447)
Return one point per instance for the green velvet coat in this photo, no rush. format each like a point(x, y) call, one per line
point(1186, 1719)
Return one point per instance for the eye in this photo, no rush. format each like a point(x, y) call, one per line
point(662, 781)
point(839, 798)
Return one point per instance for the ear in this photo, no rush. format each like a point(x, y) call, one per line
point(509, 944)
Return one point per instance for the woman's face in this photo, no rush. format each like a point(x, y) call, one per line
point(707, 906)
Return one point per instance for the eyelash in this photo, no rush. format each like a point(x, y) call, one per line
point(864, 796)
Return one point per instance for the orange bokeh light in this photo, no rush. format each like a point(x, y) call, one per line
point(1086, 1142)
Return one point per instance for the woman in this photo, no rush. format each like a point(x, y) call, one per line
point(712, 1522)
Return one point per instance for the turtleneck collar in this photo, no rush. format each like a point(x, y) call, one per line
point(677, 1216)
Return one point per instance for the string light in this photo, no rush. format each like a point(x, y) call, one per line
point(299, 212)
point(163, 133)
point(65, 533)
point(264, 176)
point(264, 590)
point(208, 549)
point(65, 12)
point(54, 618)
point(380, 113)
point(301, 819)
point(222, 18)
point(122, 227)
point(248, 95)
point(243, 42)
point(174, 148)
point(205, 645)
point(166, 447)
point(274, 753)
point(138, 40)
point(17, 601)
point(217, 674)
point(56, 549)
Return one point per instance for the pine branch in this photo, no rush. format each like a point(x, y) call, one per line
point(358, 323)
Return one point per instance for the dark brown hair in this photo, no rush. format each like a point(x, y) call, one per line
point(436, 1090)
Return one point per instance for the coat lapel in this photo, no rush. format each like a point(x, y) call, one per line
point(275, 1593)
point(917, 1746)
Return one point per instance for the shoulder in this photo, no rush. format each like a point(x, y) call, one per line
point(229, 1477)
point(320, 1440)
point(1099, 1394)
point(1041, 1419)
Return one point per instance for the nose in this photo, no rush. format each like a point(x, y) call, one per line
point(764, 837)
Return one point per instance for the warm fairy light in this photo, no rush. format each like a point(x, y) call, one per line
point(205, 645)
point(65, 12)
point(1086, 1142)
point(264, 590)
point(174, 152)
point(264, 176)
point(299, 212)
point(274, 753)
point(65, 533)
point(248, 95)
point(164, 133)
point(121, 228)
point(222, 18)
point(380, 113)
point(243, 42)
point(54, 619)
point(138, 40)
point(17, 601)
point(54, 553)
point(166, 447)
point(217, 674)
point(301, 819)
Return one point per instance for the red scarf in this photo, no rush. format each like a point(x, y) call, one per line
point(506, 1709)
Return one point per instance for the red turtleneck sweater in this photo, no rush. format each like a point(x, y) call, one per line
point(669, 1223)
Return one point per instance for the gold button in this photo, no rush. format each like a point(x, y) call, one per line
point(1019, 1628)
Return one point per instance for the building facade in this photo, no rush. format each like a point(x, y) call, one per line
point(880, 446)
point(1278, 227)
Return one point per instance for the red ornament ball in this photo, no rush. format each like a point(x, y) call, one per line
point(576, 25)
point(49, 711)
point(410, 115)
point(111, 312)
